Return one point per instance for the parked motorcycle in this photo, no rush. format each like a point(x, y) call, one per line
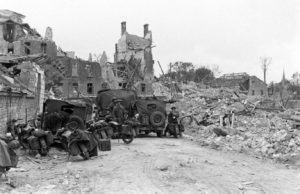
point(81, 143)
point(122, 131)
point(34, 139)
point(100, 129)
point(40, 140)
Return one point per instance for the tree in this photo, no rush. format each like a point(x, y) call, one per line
point(295, 84)
point(183, 71)
point(296, 78)
point(203, 74)
point(265, 62)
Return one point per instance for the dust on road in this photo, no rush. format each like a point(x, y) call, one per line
point(153, 165)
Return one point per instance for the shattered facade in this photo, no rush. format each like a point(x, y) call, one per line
point(107, 73)
point(134, 61)
point(73, 77)
point(21, 96)
point(19, 38)
point(251, 85)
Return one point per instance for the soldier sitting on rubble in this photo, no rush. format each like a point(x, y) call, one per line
point(119, 113)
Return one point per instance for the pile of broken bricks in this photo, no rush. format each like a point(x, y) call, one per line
point(259, 133)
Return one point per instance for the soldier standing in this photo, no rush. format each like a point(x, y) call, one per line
point(119, 113)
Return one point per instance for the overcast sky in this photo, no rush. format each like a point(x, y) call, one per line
point(233, 34)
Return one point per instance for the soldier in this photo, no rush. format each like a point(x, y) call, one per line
point(172, 119)
point(112, 104)
point(119, 113)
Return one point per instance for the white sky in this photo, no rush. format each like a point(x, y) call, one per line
point(233, 34)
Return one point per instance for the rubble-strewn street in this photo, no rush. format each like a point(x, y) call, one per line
point(154, 165)
point(149, 97)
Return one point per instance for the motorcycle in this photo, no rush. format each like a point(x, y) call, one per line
point(32, 138)
point(81, 143)
point(100, 129)
point(121, 131)
point(40, 140)
point(8, 157)
point(61, 137)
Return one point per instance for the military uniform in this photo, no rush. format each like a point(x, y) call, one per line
point(119, 113)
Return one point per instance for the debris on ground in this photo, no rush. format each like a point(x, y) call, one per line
point(251, 128)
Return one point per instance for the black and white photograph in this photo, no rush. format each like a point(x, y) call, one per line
point(149, 97)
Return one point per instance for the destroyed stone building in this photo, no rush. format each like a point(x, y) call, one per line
point(73, 77)
point(21, 94)
point(19, 38)
point(134, 61)
point(107, 73)
point(251, 85)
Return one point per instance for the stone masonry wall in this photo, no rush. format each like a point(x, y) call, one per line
point(16, 108)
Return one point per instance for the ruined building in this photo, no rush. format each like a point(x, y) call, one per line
point(19, 38)
point(69, 77)
point(22, 81)
point(133, 61)
point(251, 85)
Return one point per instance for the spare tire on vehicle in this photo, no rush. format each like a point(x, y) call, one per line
point(157, 118)
point(76, 122)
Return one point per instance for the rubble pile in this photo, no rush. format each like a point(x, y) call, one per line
point(258, 133)
point(160, 90)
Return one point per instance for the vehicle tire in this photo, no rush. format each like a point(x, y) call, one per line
point(109, 132)
point(84, 151)
point(176, 132)
point(127, 138)
point(44, 149)
point(157, 119)
point(94, 152)
point(76, 119)
point(159, 133)
point(126, 134)
point(133, 132)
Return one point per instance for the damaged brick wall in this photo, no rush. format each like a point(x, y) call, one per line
point(16, 107)
point(73, 75)
point(29, 47)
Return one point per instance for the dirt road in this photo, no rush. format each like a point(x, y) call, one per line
point(153, 165)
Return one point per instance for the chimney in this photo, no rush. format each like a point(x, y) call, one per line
point(123, 28)
point(146, 29)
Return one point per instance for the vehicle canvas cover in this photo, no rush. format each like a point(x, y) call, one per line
point(54, 105)
point(104, 98)
point(149, 106)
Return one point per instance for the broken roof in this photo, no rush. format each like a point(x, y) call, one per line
point(135, 42)
point(16, 17)
point(14, 59)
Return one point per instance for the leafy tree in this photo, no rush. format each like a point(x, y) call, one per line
point(203, 74)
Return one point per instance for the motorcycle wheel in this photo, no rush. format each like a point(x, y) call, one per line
point(176, 132)
point(94, 152)
point(84, 151)
point(159, 133)
point(44, 150)
point(110, 132)
point(127, 138)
